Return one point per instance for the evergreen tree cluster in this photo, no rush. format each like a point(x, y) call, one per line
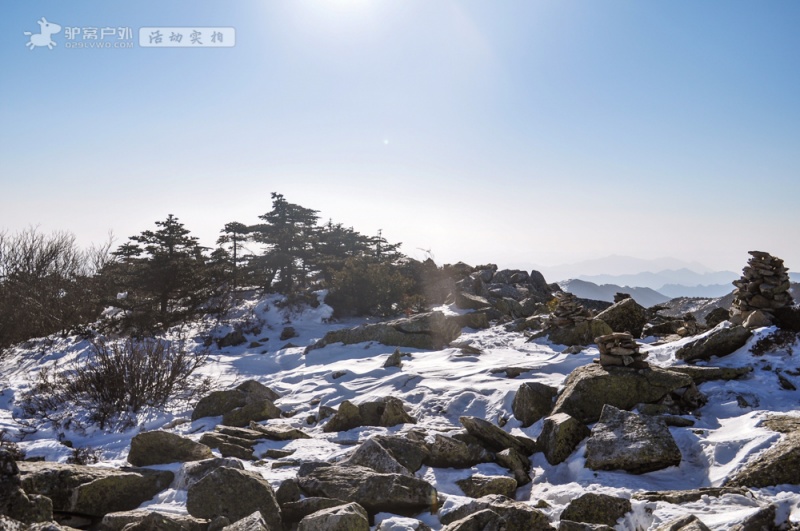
point(162, 277)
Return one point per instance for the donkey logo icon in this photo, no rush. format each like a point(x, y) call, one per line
point(43, 38)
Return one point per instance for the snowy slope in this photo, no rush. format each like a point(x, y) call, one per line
point(439, 387)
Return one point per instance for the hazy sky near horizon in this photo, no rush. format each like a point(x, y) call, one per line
point(516, 132)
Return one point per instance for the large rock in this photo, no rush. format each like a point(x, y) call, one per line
point(253, 522)
point(221, 402)
point(161, 447)
point(687, 522)
point(588, 388)
point(150, 520)
point(518, 515)
point(386, 412)
point(255, 410)
point(412, 454)
point(533, 401)
point(477, 486)
point(625, 316)
point(372, 455)
point(724, 339)
point(448, 452)
point(92, 491)
point(483, 520)
point(194, 471)
point(496, 439)
point(518, 464)
point(350, 517)
point(635, 443)
point(14, 502)
point(234, 494)
point(582, 333)
point(372, 490)
point(294, 511)
point(777, 465)
point(593, 508)
point(430, 331)
point(560, 435)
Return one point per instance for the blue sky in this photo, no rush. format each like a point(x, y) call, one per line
point(516, 132)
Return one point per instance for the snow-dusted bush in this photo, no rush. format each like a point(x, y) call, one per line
point(116, 381)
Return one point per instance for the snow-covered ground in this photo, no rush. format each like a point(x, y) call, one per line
point(438, 387)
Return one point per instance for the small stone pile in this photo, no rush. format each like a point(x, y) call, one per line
point(763, 288)
point(620, 349)
point(619, 297)
point(568, 311)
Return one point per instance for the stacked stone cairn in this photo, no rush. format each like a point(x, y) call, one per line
point(762, 289)
point(620, 349)
point(568, 311)
point(619, 297)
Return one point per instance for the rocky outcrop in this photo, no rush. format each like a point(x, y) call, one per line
point(477, 486)
point(580, 334)
point(594, 508)
point(620, 349)
point(560, 435)
point(722, 340)
point(762, 289)
point(430, 331)
point(350, 517)
point(254, 410)
point(626, 315)
point(517, 515)
point(192, 472)
point(589, 387)
point(408, 452)
point(92, 491)
point(234, 494)
point(14, 502)
point(386, 412)
point(376, 492)
point(449, 452)
point(161, 447)
point(533, 401)
point(635, 443)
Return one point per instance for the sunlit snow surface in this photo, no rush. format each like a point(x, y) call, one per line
point(438, 387)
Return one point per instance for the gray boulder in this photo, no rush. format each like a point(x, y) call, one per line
point(588, 388)
point(229, 446)
point(483, 520)
point(92, 491)
point(386, 412)
point(448, 452)
point(593, 508)
point(533, 401)
point(518, 464)
point(688, 522)
point(724, 339)
point(430, 331)
point(146, 520)
point(161, 447)
point(372, 455)
point(194, 471)
point(625, 316)
point(278, 432)
point(518, 515)
point(14, 502)
point(410, 453)
point(779, 464)
point(496, 439)
point(234, 494)
point(253, 522)
point(255, 410)
point(372, 490)
point(560, 435)
point(350, 517)
point(477, 486)
point(635, 443)
point(295, 511)
point(581, 333)
point(218, 403)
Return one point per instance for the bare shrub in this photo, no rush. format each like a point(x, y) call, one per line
point(118, 380)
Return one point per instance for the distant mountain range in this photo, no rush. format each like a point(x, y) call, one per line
point(588, 290)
